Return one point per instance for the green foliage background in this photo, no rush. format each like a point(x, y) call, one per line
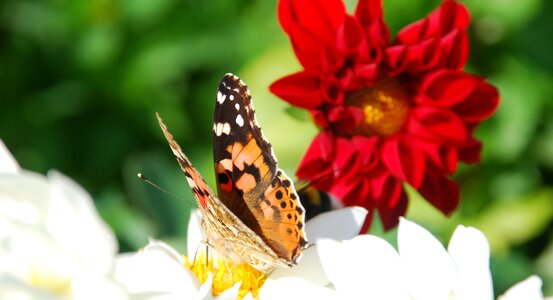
point(80, 82)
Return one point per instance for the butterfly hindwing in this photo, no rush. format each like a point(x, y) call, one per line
point(284, 217)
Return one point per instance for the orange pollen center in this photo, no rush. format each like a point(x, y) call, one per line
point(385, 107)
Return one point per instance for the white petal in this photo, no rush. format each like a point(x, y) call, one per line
point(8, 164)
point(528, 289)
point(195, 233)
point(160, 246)
point(51, 267)
point(92, 286)
point(470, 251)
point(24, 198)
point(365, 265)
point(338, 224)
point(294, 288)
point(428, 270)
point(154, 273)
point(309, 268)
point(12, 288)
point(204, 292)
point(74, 222)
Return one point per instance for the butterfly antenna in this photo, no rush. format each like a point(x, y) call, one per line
point(302, 185)
point(148, 181)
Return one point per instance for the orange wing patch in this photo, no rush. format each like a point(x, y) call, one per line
point(282, 213)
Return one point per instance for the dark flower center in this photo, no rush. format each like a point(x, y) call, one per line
point(385, 106)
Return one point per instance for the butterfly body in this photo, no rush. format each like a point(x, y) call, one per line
point(257, 217)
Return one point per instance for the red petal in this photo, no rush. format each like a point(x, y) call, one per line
point(300, 89)
point(480, 105)
point(449, 16)
point(369, 14)
point(352, 191)
point(441, 158)
point(423, 56)
point(328, 156)
point(468, 96)
point(366, 71)
point(454, 49)
point(448, 25)
point(333, 92)
point(445, 88)
point(322, 18)
point(309, 50)
point(320, 119)
point(470, 152)
point(365, 147)
point(437, 124)
point(404, 160)
point(441, 192)
point(316, 159)
point(395, 59)
point(394, 206)
point(351, 40)
point(382, 184)
point(345, 157)
point(345, 118)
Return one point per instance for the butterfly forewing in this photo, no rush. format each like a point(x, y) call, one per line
point(249, 181)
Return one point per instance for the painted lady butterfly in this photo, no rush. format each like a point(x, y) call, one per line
point(257, 217)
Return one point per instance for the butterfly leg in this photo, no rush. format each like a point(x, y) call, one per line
point(207, 245)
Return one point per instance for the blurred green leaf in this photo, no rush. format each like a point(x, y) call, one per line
point(131, 228)
point(524, 92)
point(514, 222)
point(298, 113)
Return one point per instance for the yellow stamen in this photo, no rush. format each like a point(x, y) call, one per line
point(385, 106)
point(226, 273)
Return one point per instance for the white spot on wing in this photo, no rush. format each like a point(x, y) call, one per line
point(219, 129)
point(222, 128)
point(239, 120)
point(221, 97)
point(237, 106)
point(226, 128)
point(231, 97)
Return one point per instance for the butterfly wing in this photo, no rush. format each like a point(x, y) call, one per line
point(249, 182)
point(225, 231)
point(201, 190)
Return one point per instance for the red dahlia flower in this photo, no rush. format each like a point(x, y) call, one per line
point(389, 113)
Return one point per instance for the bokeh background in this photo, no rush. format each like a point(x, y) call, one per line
point(80, 82)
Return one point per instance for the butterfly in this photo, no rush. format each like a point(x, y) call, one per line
point(257, 217)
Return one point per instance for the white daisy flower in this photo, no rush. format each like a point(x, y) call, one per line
point(421, 269)
point(53, 244)
point(528, 289)
point(159, 272)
